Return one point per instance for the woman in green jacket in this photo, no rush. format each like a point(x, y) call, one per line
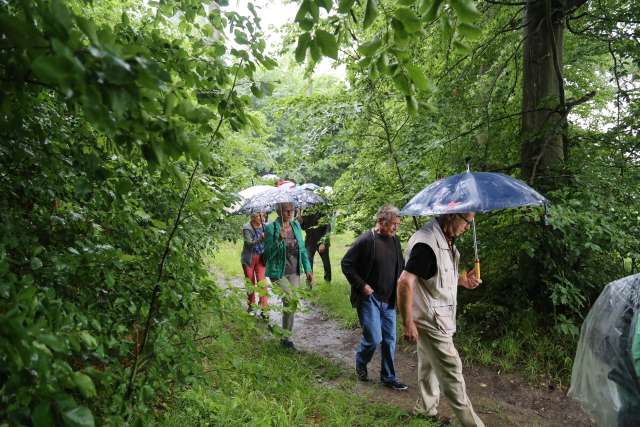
point(286, 259)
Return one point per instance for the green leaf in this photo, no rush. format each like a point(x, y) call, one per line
point(84, 383)
point(36, 263)
point(408, 18)
point(50, 69)
point(301, 48)
point(412, 104)
point(41, 415)
point(326, 4)
point(461, 48)
point(79, 416)
point(328, 44)
point(382, 64)
point(255, 90)
point(370, 13)
point(148, 392)
point(371, 47)
point(469, 31)
point(402, 83)
point(88, 339)
point(316, 54)
point(447, 30)
point(400, 35)
point(53, 342)
point(407, 2)
point(345, 5)
point(306, 24)
point(61, 14)
point(240, 37)
point(418, 77)
point(431, 11)
point(314, 9)
point(302, 11)
point(465, 10)
point(88, 28)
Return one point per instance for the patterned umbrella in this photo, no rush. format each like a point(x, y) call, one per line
point(473, 192)
point(267, 200)
point(245, 195)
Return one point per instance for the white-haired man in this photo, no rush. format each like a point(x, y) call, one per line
point(372, 266)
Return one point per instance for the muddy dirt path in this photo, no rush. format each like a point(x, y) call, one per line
point(500, 400)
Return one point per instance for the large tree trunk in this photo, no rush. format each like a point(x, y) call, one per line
point(543, 133)
point(543, 118)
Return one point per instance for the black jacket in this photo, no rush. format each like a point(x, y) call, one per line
point(357, 265)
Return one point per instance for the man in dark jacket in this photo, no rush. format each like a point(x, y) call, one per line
point(372, 266)
point(317, 228)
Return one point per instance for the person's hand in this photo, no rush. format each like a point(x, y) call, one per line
point(469, 280)
point(367, 290)
point(321, 248)
point(410, 332)
point(309, 278)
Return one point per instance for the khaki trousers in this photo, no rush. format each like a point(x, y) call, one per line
point(439, 365)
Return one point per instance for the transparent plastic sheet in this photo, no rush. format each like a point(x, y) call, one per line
point(605, 371)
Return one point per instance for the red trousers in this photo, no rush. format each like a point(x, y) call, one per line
point(255, 273)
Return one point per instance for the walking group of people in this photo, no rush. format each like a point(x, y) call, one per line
point(422, 284)
point(278, 251)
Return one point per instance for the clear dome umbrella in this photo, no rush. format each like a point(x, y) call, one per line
point(245, 195)
point(267, 200)
point(473, 192)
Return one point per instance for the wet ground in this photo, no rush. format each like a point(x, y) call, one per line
point(499, 399)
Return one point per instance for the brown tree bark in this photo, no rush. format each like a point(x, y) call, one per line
point(544, 121)
point(543, 104)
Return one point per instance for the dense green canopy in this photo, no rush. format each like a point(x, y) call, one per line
point(126, 127)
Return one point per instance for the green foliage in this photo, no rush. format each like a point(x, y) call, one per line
point(107, 113)
point(388, 28)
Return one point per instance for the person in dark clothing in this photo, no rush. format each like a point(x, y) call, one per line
point(317, 228)
point(372, 266)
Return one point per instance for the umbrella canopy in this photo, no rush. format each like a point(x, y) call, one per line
point(472, 192)
point(245, 195)
point(309, 186)
point(267, 200)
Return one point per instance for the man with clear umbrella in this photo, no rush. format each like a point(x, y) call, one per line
point(427, 300)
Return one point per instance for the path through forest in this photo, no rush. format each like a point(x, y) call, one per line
point(500, 399)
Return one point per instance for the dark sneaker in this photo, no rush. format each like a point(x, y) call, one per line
point(288, 344)
point(361, 373)
point(395, 385)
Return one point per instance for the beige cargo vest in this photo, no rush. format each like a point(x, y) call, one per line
point(435, 300)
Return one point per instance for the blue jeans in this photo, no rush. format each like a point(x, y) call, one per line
point(378, 323)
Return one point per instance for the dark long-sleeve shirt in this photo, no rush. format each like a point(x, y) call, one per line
point(360, 268)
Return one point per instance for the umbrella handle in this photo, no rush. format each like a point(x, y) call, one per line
point(477, 268)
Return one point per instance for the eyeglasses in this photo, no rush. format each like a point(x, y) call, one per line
point(467, 221)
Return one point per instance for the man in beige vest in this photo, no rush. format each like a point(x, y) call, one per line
point(427, 299)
